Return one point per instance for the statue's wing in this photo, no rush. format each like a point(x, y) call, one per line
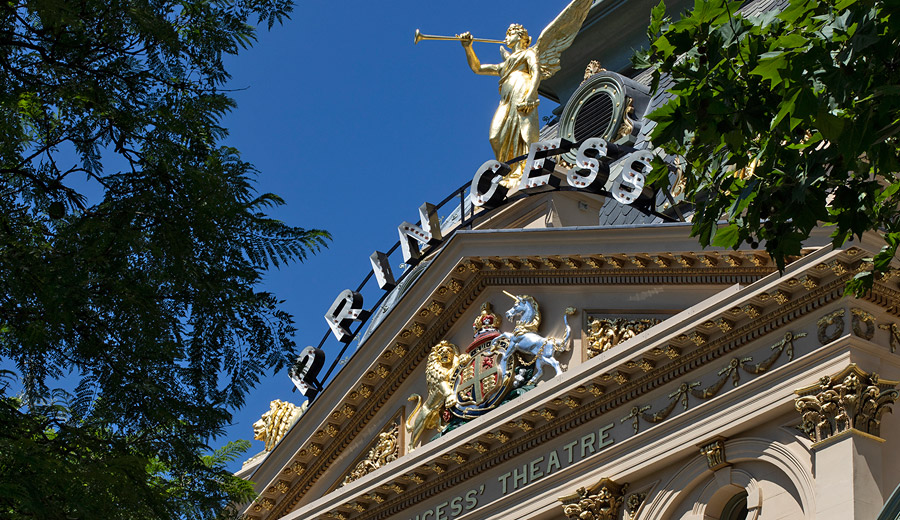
point(556, 37)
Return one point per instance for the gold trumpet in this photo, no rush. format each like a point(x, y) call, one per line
point(419, 37)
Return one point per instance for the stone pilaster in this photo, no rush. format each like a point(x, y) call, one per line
point(842, 416)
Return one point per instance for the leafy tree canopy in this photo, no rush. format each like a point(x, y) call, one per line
point(786, 120)
point(132, 244)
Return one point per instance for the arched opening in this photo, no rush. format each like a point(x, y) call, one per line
point(735, 508)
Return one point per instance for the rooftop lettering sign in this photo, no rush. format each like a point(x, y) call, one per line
point(603, 168)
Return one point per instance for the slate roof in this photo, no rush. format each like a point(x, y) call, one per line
point(612, 214)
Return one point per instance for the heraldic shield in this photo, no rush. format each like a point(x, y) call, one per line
point(480, 382)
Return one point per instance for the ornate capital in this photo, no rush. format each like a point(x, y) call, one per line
point(850, 399)
point(601, 501)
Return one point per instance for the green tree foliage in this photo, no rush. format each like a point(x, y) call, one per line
point(132, 245)
point(807, 98)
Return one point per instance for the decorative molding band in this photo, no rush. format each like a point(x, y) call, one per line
point(730, 371)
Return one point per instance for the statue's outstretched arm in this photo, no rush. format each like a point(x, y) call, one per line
point(474, 63)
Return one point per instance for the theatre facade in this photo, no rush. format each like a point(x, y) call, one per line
point(561, 354)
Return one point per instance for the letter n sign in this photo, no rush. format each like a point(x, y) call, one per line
point(412, 236)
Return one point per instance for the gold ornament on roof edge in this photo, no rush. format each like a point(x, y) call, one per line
point(274, 424)
point(592, 68)
point(515, 124)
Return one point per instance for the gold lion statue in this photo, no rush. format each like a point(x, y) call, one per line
point(441, 363)
point(274, 424)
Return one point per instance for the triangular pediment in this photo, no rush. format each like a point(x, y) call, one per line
point(695, 307)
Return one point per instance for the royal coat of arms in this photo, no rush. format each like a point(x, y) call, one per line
point(462, 386)
point(479, 381)
point(492, 367)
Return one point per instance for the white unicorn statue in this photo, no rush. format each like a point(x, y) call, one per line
point(527, 316)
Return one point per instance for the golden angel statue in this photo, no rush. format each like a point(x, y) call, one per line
point(515, 124)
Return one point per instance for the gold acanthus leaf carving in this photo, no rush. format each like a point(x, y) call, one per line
point(596, 390)
point(458, 458)
point(606, 333)
point(522, 424)
point(437, 468)
point(593, 67)
point(415, 478)
point(396, 488)
point(480, 447)
point(850, 399)
point(633, 503)
point(547, 414)
point(266, 503)
point(601, 501)
point(386, 449)
point(780, 297)
point(837, 268)
point(417, 329)
point(498, 436)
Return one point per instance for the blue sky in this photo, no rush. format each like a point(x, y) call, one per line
point(355, 127)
